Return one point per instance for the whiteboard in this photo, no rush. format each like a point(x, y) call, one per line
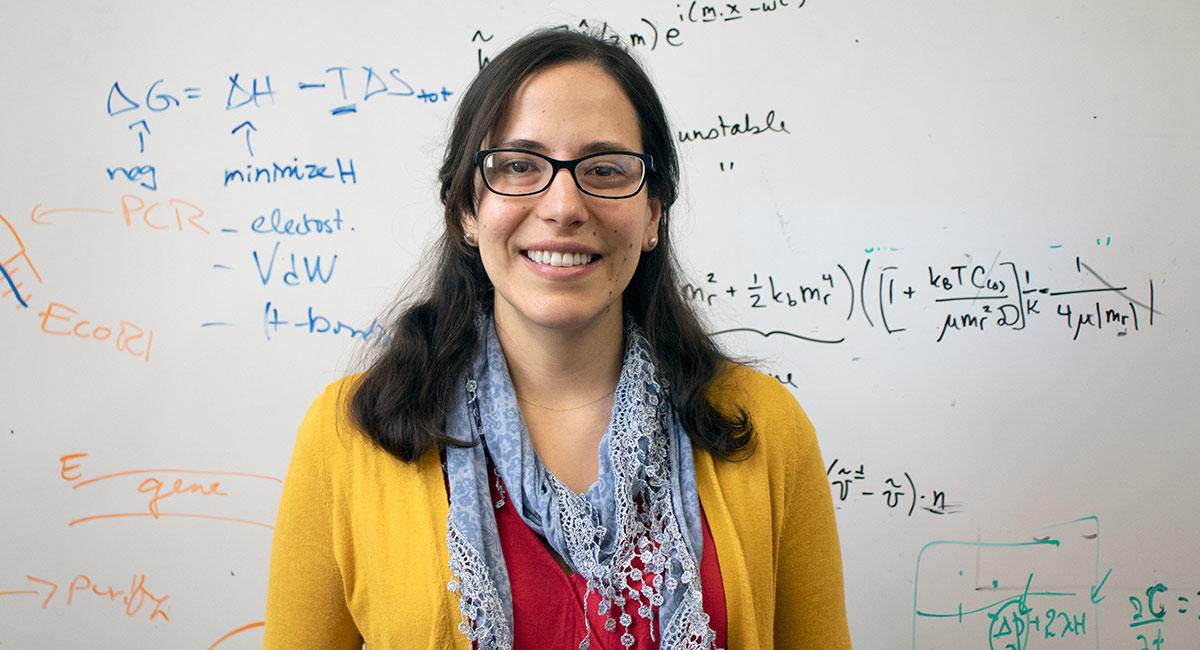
point(960, 233)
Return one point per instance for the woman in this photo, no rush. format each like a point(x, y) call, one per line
point(553, 453)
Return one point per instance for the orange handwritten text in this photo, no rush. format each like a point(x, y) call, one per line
point(70, 470)
point(127, 334)
point(11, 266)
point(244, 628)
point(128, 209)
point(176, 214)
point(134, 598)
point(153, 485)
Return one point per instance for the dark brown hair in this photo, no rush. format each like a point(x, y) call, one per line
point(403, 400)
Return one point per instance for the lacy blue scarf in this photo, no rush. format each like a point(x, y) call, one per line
point(643, 505)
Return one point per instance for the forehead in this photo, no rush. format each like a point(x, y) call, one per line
point(566, 107)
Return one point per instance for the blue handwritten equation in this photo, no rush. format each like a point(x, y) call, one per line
point(345, 89)
point(953, 300)
point(337, 90)
point(288, 253)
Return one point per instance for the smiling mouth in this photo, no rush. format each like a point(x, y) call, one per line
point(555, 258)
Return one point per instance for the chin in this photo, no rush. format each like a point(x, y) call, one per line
point(563, 317)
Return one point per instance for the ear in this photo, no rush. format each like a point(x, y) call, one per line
point(470, 229)
point(654, 207)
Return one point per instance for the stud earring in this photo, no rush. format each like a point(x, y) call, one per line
point(469, 238)
point(653, 242)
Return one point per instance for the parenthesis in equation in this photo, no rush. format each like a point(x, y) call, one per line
point(911, 486)
point(654, 43)
point(849, 283)
point(862, 292)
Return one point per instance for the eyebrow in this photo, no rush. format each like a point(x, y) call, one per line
point(590, 148)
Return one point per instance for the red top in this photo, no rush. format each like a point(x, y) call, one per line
point(548, 604)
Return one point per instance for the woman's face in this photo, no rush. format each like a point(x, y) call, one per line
point(563, 111)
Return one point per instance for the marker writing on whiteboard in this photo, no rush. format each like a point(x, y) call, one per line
point(300, 226)
point(136, 597)
point(294, 171)
point(12, 287)
point(13, 260)
point(195, 497)
point(172, 215)
point(964, 299)
point(290, 275)
point(130, 338)
point(897, 492)
point(315, 322)
point(725, 129)
point(235, 632)
point(652, 32)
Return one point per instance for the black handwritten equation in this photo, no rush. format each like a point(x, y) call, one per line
point(896, 492)
point(650, 34)
point(950, 300)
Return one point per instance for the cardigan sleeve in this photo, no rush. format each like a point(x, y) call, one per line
point(810, 601)
point(306, 602)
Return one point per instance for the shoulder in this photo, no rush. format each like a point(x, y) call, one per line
point(328, 418)
point(780, 425)
point(330, 435)
point(738, 384)
point(332, 405)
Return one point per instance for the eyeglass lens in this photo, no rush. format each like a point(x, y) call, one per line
point(608, 175)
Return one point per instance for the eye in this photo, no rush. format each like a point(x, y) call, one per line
point(518, 167)
point(610, 172)
point(514, 164)
point(605, 169)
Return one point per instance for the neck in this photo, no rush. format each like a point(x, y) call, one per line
point(563, 369)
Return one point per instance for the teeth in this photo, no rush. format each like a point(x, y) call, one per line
point(556, 258)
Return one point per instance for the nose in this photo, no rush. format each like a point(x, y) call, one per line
point(563, 202)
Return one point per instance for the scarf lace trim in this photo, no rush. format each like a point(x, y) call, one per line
point(643, 507)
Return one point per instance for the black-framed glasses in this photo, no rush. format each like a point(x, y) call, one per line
point(608, 174)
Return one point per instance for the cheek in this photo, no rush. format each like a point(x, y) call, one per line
point(495, 222)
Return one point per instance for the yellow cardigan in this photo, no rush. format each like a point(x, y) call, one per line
point(360, 539)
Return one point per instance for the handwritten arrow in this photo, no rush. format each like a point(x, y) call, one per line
point(141, 136)
point(1096, 589)
point(248, 130)
point(38, 216)
point(53, 589)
